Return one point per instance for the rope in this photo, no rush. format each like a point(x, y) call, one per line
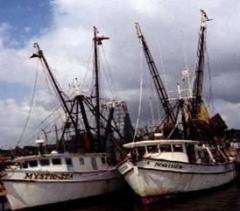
point(212, 106)
point(88, 69)
point(164, 79)
point(107, 73)
point(37, 133)
point(31, 107)
point(162, 67)
point(152, 94)
point(48, 80)
point(140, 95)
point(151, 110)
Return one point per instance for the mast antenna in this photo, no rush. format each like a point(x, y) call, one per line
point(39, 54)
point(199, 70)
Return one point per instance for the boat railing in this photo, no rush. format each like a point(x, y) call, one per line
point(210, 154)
point(222, 153)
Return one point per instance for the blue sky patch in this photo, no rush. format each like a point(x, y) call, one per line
point(13, 90)
point(27, 18)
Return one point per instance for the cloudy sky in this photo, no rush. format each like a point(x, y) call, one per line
point(63, 29)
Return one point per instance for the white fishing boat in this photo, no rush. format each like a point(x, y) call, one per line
point(84, 169)
point(188, 155)
point(54, 178)
point(163, 167)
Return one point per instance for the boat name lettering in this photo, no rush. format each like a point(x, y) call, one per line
point(49, 176)
point(168, 165)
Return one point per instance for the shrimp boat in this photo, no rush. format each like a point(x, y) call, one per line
point(88, 169)
point(53, 178)
point(186, 152)
point(169, 166)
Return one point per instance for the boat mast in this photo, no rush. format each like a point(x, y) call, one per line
point(198, 81)
point(42, 58)
point(159, 86)
point(97, 41)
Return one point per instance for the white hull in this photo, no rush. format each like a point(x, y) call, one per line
point(149, 177)
point(25, 192)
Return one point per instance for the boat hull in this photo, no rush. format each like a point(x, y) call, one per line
point(150, 178)
point(30, 190)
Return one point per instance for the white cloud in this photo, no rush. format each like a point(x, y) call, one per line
point(229, 111)
point(13, 116)
point(68, 43)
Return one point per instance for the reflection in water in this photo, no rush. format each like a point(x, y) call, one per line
point(226, 198)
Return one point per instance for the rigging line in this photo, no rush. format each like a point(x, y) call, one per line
point(107, 81)
point(50, 122)
point(85, 81)
point(164, 78)
point(46, 78)
point(152, 95)
point(39, 133)
point(52, 87)
point(212, 106)
point(186, 66)
point(55, 112)
point(140, 94)
point(151, 110)
point(31, 106)
point(162, 67)
point(149, 86)
point(32, 134)
point(175, 127)
point(107, 73)
point(211, 103)
point(36, 134)
point(185, 58)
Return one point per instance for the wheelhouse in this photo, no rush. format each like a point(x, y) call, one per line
point(187, 151)
point(64, 162)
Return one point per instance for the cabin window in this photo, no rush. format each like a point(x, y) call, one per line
point(33, 163)
point(69, 161)
point(56, 161)
point(165, 148)
point(44, 162)
point(25, 165)
point(103, 160)
point(177, 148)
point(94, 163)
point(81, 161)
point(152, 149)
point(141, 151)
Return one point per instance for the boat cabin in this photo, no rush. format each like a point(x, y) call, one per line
point(186, 151)
point(64, 162)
